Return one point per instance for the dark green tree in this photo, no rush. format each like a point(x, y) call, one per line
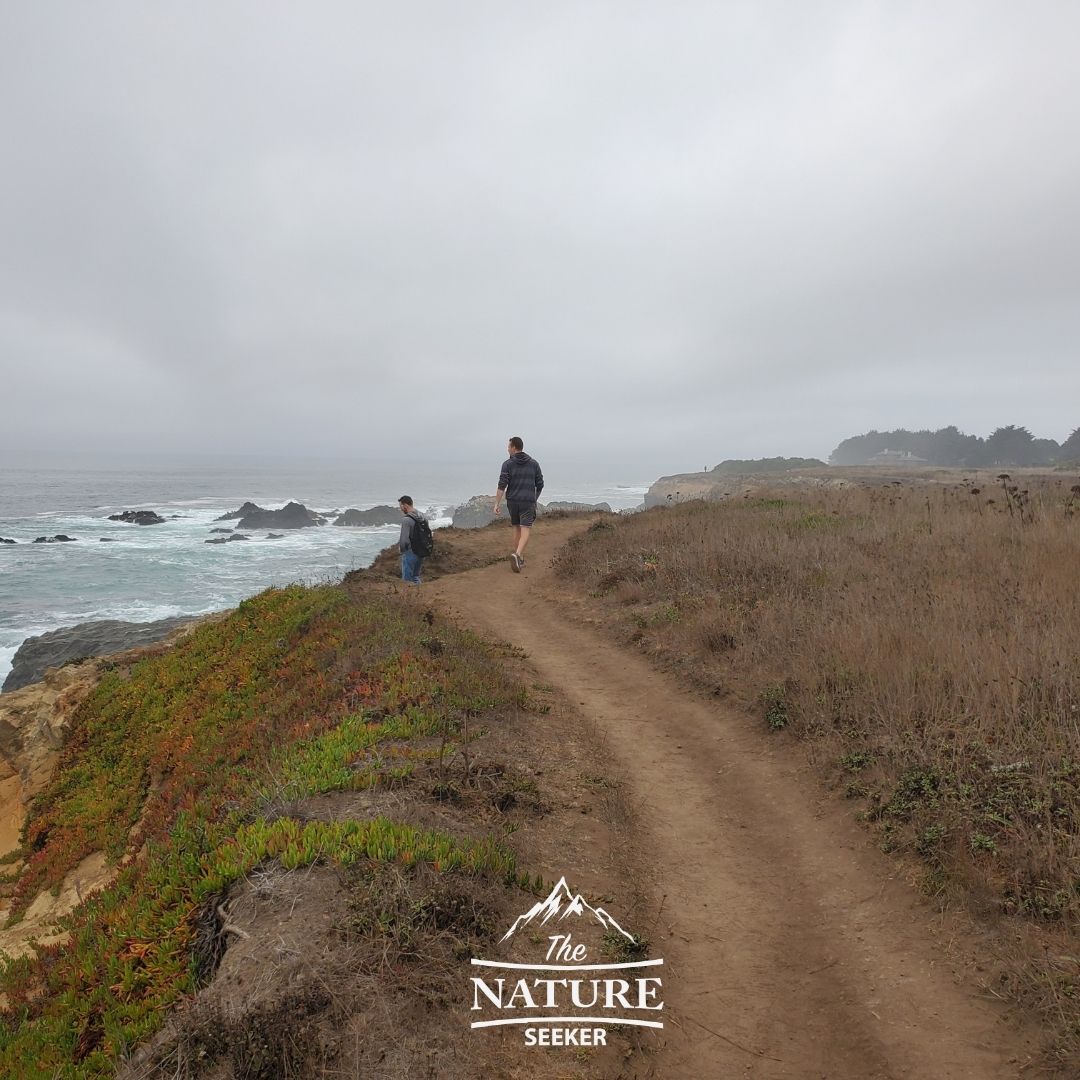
point(1070, 448)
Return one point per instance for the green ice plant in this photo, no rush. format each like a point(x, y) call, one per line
point(166, 768)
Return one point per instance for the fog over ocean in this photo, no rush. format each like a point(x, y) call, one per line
point(157, 571)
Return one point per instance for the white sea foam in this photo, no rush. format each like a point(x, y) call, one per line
point(157, 571)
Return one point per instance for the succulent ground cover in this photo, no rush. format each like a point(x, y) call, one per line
point(182, 768)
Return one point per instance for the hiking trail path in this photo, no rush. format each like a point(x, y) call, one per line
point(794, 950)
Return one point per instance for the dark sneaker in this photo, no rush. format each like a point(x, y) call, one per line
point(515, 562)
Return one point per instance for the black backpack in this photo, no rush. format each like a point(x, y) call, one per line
point(421, 542)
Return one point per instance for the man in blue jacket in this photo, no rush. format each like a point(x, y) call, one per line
point(521, 481)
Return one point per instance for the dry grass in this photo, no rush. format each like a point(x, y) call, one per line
point(925, 640)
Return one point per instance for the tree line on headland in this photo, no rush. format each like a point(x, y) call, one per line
point(948, 446)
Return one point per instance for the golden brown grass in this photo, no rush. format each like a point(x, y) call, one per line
point(925, 640)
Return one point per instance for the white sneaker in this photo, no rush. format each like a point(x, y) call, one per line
point(515, 562)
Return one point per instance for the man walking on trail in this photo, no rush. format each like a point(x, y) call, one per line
point(414, 543)
point(521, 481)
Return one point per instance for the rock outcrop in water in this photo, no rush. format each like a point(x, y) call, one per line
point(5, 540)
point(59, 538)
point(36, 654)
point(480, 511)
point(292, 515)
point(226, 539)
point(247, 508)
point(377, 515)
point(578, 507)
point(139, 517)
point(474, 514)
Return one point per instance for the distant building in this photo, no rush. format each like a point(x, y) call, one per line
point(896, 457)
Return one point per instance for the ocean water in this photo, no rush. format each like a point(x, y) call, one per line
point(156, 571)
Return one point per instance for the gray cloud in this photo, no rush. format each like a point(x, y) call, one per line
point(690, 229)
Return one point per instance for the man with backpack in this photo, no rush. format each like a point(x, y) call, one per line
point(415, 542)
point(521, 480)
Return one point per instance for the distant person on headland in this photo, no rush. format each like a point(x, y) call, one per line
point(521, 481)
point(414, 543)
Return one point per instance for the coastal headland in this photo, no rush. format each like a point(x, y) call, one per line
point(276, 841)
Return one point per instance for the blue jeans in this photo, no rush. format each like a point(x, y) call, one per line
point(410, 567)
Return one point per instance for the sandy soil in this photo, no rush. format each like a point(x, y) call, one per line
point(794, 949)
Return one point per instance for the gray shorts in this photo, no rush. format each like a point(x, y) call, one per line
point(521, 513)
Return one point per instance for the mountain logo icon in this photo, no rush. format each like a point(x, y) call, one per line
point(560, 905)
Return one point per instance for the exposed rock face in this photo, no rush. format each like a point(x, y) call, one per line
point(717, 486)
point(35, 716)
point(5, 540)
point(221, 530)
point(247, 508)
point(226, 539)
point(684, 486)
point(578, 507)
point(59, 538)
point(139, 517)
point(377, 515)
point(292, 515)
point(36, 654)
point(33, 721)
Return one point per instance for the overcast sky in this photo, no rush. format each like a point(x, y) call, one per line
point(634, 231)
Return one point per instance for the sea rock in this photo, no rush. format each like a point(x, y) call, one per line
point(292, 515)
point(578, 507)
point(221, 530)
point(5, 540)
point(139, 517)
point(83, 640)
point(275, 536)
point(59, 538)
point(377, 515)
point(480, 511)
point(474, 514)
point(247, 508)
point(227, 539)
point(107, 539)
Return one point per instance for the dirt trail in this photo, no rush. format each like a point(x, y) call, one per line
point(792, 951)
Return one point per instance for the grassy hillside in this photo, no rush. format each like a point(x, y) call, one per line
point(186, 768)
point(925, 643)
